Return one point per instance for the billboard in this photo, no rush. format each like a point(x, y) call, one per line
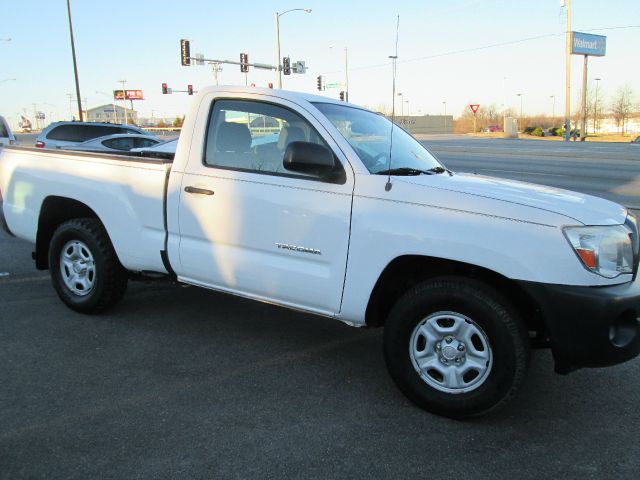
point(130, 95)
point(588, 44)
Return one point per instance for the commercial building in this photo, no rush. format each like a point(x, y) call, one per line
point(105, 113)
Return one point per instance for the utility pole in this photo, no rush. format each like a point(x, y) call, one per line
point(70, 106)
point(124, 99)
point(553, 108)
point(567, 101)
point(75, 65)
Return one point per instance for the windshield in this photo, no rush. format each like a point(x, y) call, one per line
point(369, 134)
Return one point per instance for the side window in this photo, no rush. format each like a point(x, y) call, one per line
point(3, 130)
point(253, 136)
point(67, 133)
point(144, 142)
point(121, 143)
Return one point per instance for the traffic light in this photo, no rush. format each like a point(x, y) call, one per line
point(319, 80)
point(185, 52)
point(342, 96)
point(286, 66)
point(190, 89)
point(270, 85)
point(165, 90)
point(244, 61)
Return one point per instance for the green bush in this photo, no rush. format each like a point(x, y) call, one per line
point(528, 130)
point(536, 132)
point(556, 131)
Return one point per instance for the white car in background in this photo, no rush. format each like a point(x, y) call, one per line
point(63, 134)
point(6, 135)
point(122, 142)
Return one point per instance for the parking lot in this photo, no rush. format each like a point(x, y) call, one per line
point(180, 382)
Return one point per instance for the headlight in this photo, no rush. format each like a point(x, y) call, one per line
point(607, 251)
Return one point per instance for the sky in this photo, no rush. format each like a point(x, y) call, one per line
point(444, 51)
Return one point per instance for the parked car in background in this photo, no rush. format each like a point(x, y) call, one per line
point(122, 142)
point(63, 134)
point(492, 129)
point(636, 140)
point(6, 135)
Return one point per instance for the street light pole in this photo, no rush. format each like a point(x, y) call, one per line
point(445, 116)
point(520, 95)
point(75, 65)
point(279, 59)
point(408, 111)
point(124, 99)
point(346, 75)
point(595, 107)
point(401, 104)
point(553, 108)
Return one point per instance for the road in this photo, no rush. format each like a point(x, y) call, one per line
point(180, 382)
point(608, 170)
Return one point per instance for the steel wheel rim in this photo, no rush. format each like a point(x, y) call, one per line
point(77, 267)
point(451, 352)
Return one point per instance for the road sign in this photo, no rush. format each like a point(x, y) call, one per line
point(588, 44)
point(185, 52)
point(474, 107)
point(299, 67)
point(332, 85)
point(199, 58)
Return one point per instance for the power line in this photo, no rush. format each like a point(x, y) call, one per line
point(484, 47)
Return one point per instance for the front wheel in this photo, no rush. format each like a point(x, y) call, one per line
point(456, 347)
point(85, 270)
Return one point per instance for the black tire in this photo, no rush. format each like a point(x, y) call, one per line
point(110, 277)
point(501, 325)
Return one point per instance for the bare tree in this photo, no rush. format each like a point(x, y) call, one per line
point(622, 106)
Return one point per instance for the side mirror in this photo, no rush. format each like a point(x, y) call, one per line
point(309, 158)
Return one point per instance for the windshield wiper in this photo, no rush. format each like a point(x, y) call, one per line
point(411, 171)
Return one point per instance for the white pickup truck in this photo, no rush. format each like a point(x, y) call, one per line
point(322, 206)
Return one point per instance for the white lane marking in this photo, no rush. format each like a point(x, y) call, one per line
point(522, 172)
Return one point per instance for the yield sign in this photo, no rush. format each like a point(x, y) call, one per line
point(474, 108)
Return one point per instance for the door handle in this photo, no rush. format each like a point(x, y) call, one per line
point(199, 191)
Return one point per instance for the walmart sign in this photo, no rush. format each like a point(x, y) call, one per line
point(587, 44)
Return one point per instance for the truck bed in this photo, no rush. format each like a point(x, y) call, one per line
point(126, 192)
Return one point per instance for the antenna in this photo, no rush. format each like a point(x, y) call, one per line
point(394, 59)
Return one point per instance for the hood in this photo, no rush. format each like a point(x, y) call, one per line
point(580, 207)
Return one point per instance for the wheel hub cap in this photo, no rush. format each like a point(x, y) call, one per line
point(77, 267)
point(450, 352)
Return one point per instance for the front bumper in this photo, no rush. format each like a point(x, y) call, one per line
point(589, 326)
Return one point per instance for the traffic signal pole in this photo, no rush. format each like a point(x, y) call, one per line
point(278, 50)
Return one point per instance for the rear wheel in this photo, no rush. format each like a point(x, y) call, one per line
point(85, 270)
point(456, 347)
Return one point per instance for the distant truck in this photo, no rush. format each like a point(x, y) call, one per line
point(465, 273)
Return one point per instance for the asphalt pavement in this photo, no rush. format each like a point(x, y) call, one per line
point(181, 382)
